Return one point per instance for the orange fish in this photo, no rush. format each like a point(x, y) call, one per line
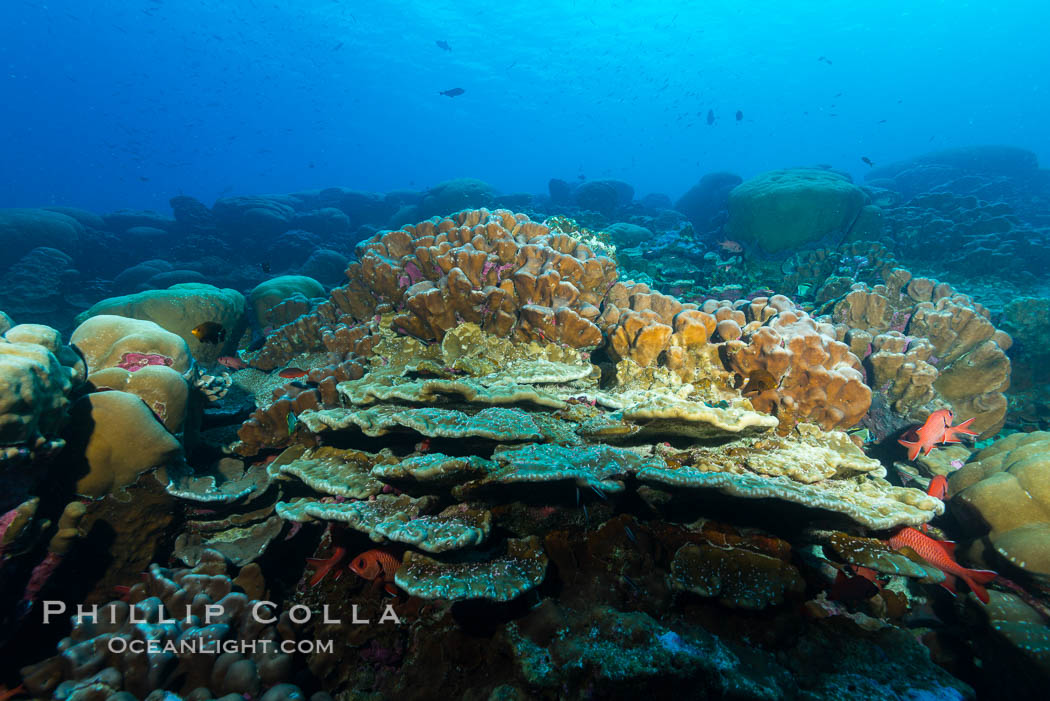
point(938, 487)
point(377, 565)
point(232, 362)
point(862, 583)
point(939, 554)
point(929, 434)
point(292, 373)
point(963, 429)
point(6, 693)
point(730, 246)
point(322, 566)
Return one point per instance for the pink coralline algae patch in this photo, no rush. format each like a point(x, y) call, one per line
point(136, 361)
point(378, 653)
point(899, 322)
point(5, 522)
point(414, 273)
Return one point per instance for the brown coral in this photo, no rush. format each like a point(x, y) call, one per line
point(809, 376)
point(37, 374)
point(116, 437)
point(510, 275)
point(642, 325)
point(929, 346)
point(739, 578)
point(1005, 490)
point(88, 665)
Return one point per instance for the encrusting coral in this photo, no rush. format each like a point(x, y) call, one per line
point(503, 272)
point(669, 383)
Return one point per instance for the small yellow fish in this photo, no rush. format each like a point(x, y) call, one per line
point(210, 332)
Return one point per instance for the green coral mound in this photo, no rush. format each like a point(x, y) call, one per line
point(180, 309)
point(272, 292)
point(785, 209)
point(21, 230)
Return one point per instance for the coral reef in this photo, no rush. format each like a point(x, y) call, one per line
point(595, 458)
point(266, 296)
point(795, 368)
point(927, 346)
point(505, 273)
point(787, 209)
point(37, 375)
point(172, 606)
point(1004, 494)
point(180, 309)
point(22, 230)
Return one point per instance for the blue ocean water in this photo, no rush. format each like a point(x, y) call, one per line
point(116, 104)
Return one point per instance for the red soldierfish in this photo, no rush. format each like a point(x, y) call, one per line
point(326, 565)
point(232, 362)
point(377, 565)
point(860, 583)
point(929, 434)
point(292, 373)
point(938, 489)
point(939, 554)
point(963, 429)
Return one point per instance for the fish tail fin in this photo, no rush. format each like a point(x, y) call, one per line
point(979, 591)
point(913, 448)
point(951, 433)
point(320, 574)
point(982, 576)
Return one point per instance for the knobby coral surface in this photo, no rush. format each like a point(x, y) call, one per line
point(928, 346)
